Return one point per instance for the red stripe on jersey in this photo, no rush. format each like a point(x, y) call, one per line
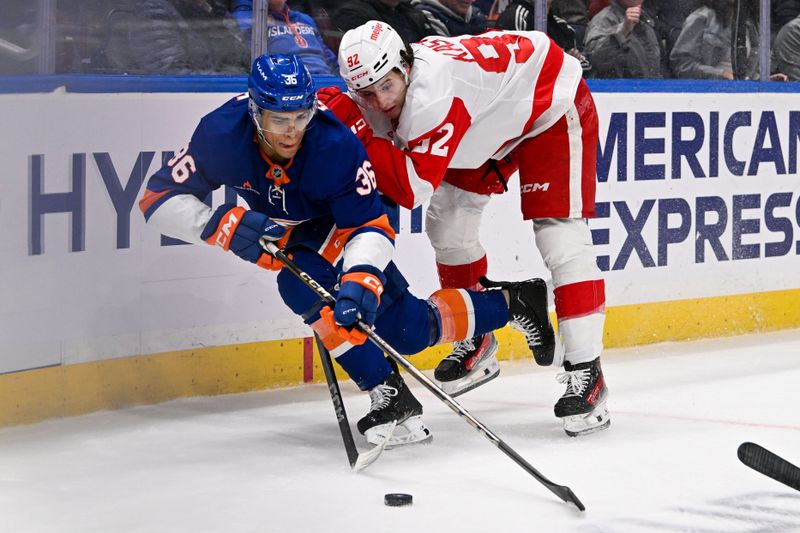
point(430, 154)
point(584, 103)
point(579, 299)
point(546, 83)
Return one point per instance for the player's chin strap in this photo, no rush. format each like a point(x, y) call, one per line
point(562, 491)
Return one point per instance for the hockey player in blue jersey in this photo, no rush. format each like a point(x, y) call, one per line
point(310, 188)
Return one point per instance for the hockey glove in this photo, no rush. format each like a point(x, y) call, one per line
point(238, 229)
point(347, 111)
point(359, 298)
point(352, 335)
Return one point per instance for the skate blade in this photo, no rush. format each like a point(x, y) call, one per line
point(587, 423)
point(410, 431)
point(483, 373)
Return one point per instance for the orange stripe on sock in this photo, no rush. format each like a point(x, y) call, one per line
point(453, 312)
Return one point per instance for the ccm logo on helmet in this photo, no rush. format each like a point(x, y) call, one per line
point(292, 98)
point(533, 187)
point(376, 31)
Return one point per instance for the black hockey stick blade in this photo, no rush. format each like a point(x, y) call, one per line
point(358, 461)
point(762, 460)
point(562, 491)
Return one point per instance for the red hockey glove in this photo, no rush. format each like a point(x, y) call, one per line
point(346, 110)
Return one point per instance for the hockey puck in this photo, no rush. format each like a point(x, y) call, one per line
point(397, 499)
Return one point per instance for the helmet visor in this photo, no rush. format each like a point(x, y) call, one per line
point(386, 92)
point(284, 122)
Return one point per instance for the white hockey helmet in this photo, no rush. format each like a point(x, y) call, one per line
point(369, 52)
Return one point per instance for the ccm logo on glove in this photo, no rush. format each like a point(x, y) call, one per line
point(367, 280)
point(227, 226)
point(237, 229)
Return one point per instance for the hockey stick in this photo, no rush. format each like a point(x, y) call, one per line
point(769, 464)
point(358, 461)
point(562, 491)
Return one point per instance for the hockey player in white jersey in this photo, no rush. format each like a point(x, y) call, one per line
point(450, 119)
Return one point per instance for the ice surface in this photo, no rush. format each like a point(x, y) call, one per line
point(273, 461)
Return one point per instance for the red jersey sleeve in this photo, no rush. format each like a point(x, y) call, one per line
point(409, 176)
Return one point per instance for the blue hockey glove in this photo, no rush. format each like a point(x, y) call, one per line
point(359, 296)
point(238, 229)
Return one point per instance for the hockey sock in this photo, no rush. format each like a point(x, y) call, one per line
point(365, 363)
point(580, 308)
point(462, 276)
point(463, 314)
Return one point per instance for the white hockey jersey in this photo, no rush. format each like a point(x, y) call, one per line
point(470, 99)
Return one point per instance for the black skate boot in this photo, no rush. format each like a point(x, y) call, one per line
point(393, 401)
point(527, 312)
point(583, 405)
point(471, 364)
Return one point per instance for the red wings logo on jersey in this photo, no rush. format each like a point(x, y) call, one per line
point(492, 54)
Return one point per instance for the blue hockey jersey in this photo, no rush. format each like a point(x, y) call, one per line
point(326, 193)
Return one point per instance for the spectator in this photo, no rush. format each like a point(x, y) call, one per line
point(453, 17)
point(576, 13)
point(786, 51)
point(320, 11)
point(412, 25)
point(670, 16)
point(170, 37)
point(519, 15)
point(290, 32)
point(485, 6)
point(783, 11)
point(596, 6)
point(621, 42)
point(703, 48)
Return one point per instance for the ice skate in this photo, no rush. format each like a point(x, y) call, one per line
point(472, 363)
point(527, 309)
point(583, 405)
point(393, 401)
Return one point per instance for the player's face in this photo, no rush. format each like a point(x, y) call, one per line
point(387, 95)
point(284, 131)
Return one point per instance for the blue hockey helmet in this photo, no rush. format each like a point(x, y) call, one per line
point(281, 83)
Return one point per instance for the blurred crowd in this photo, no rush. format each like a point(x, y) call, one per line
point(692, 39)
